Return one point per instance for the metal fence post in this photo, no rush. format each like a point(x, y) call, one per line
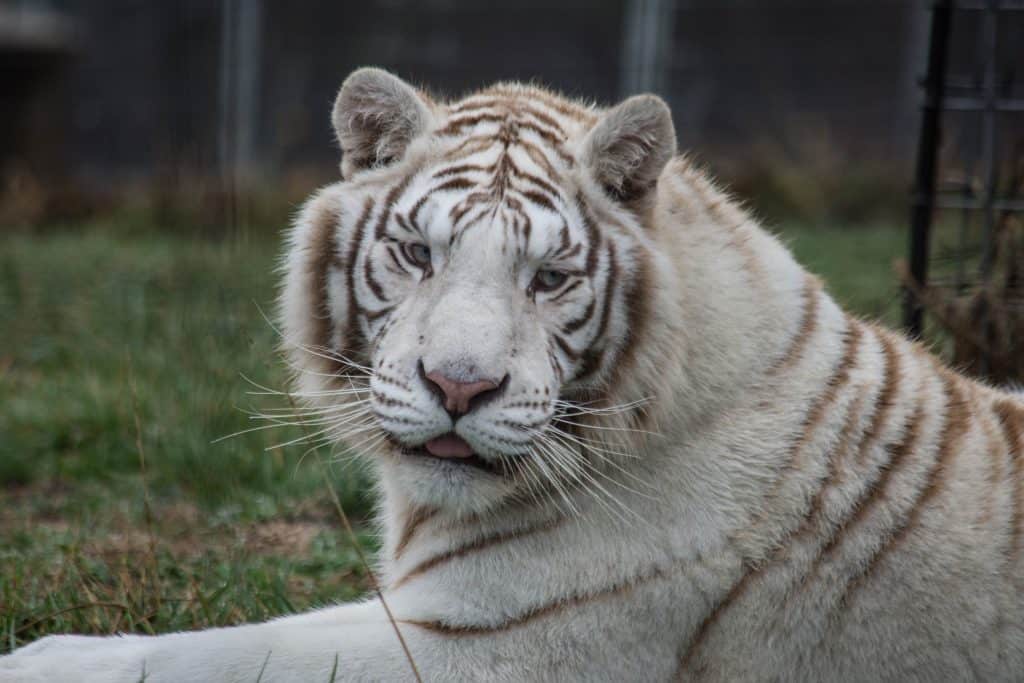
point(925, 173)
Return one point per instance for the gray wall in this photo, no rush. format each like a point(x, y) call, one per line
point(145, 96)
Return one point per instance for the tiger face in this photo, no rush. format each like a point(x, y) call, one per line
point(477, 277)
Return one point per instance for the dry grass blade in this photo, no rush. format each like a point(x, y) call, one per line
point(73, 608)
point(362, 557)
point(147, 507)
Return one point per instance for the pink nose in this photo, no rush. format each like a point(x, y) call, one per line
point(458, 397)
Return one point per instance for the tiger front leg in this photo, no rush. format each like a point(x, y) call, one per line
point(347, 643)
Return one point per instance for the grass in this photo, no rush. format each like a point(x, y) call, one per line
point(119, 349)
point(121, 361)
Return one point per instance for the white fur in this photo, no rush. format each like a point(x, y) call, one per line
point(616, 586)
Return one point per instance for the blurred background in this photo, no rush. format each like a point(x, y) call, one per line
point(152, 153)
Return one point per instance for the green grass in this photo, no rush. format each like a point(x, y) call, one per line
point(856, 264)
point(117, 349)
point(234, 532)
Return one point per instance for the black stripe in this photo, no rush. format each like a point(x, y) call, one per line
point(397, 261)
point(574, 325)
point(371, 281)
point(539, 199)
point(567, 290)
point(571, 353)
point(610, 282)
point(358, 235)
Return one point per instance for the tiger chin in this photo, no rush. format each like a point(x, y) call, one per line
point(619, 433)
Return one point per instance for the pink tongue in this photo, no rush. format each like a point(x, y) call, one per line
point(449, 446)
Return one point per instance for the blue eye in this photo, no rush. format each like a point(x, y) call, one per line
point(549, 280)
point(417, 253)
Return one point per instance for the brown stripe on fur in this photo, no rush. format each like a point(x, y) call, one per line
point(878, 490)
point(637, 301)
point(373, 316)
point(379, 232)
point(884, 403)
point(476, 546)
point(457, 124)
point(389, 204)
point(541, 611)
point(548, 121)
point(564, 108)
point(884, 469)
point(404, 223)
point(611, 282)
point(710, 199)
point(840, 376)
point(851, 345)
point(576, 323)
point(527, 227)
point(371, 281)
point(808, 324)
point(397, 261)
point(474, 104)
point(417, 518)
point(358, 233)
point(995, 447)
point(414, 212)
point(536, 180)
point(569, 352)
point(844, 446)
point(565, 292)
point(552, 139)
point(513, 104)
point(740, 240)
point(563, 237)
point(511, 125)
point(593, 236)
point(570, 252)
point(539, 199)
point(470, 146)
point(592, 360)
point(538, 157)
point(325, 251)
point(701, 634)
point(818, 410)
point(453, 184)
point(462, 168)
point(958, 420)
point(1011, 419)
point(459, 211)
point(594, 355)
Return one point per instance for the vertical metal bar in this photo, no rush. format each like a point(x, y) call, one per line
point(248, 65)
point(988, 142)
point(227, 114)
point(927, 152)
point(646, 47)
point(226, 89)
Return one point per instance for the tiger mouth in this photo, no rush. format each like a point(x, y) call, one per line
point(474, 460)
point(452, 450)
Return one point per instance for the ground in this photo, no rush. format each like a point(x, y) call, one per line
point(123, 358)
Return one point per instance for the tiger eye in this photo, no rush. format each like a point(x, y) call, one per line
point(549, 280)
point(418, 253)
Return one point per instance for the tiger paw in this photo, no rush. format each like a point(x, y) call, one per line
point(84, 659)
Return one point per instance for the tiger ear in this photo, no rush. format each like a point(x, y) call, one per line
point(628, 148)
point(375, 117)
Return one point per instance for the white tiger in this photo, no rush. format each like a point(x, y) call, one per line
point(620, 433)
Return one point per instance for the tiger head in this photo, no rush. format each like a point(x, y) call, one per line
point(466, 300)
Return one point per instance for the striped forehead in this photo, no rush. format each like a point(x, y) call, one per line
point(502, 165)
point(451, 205)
